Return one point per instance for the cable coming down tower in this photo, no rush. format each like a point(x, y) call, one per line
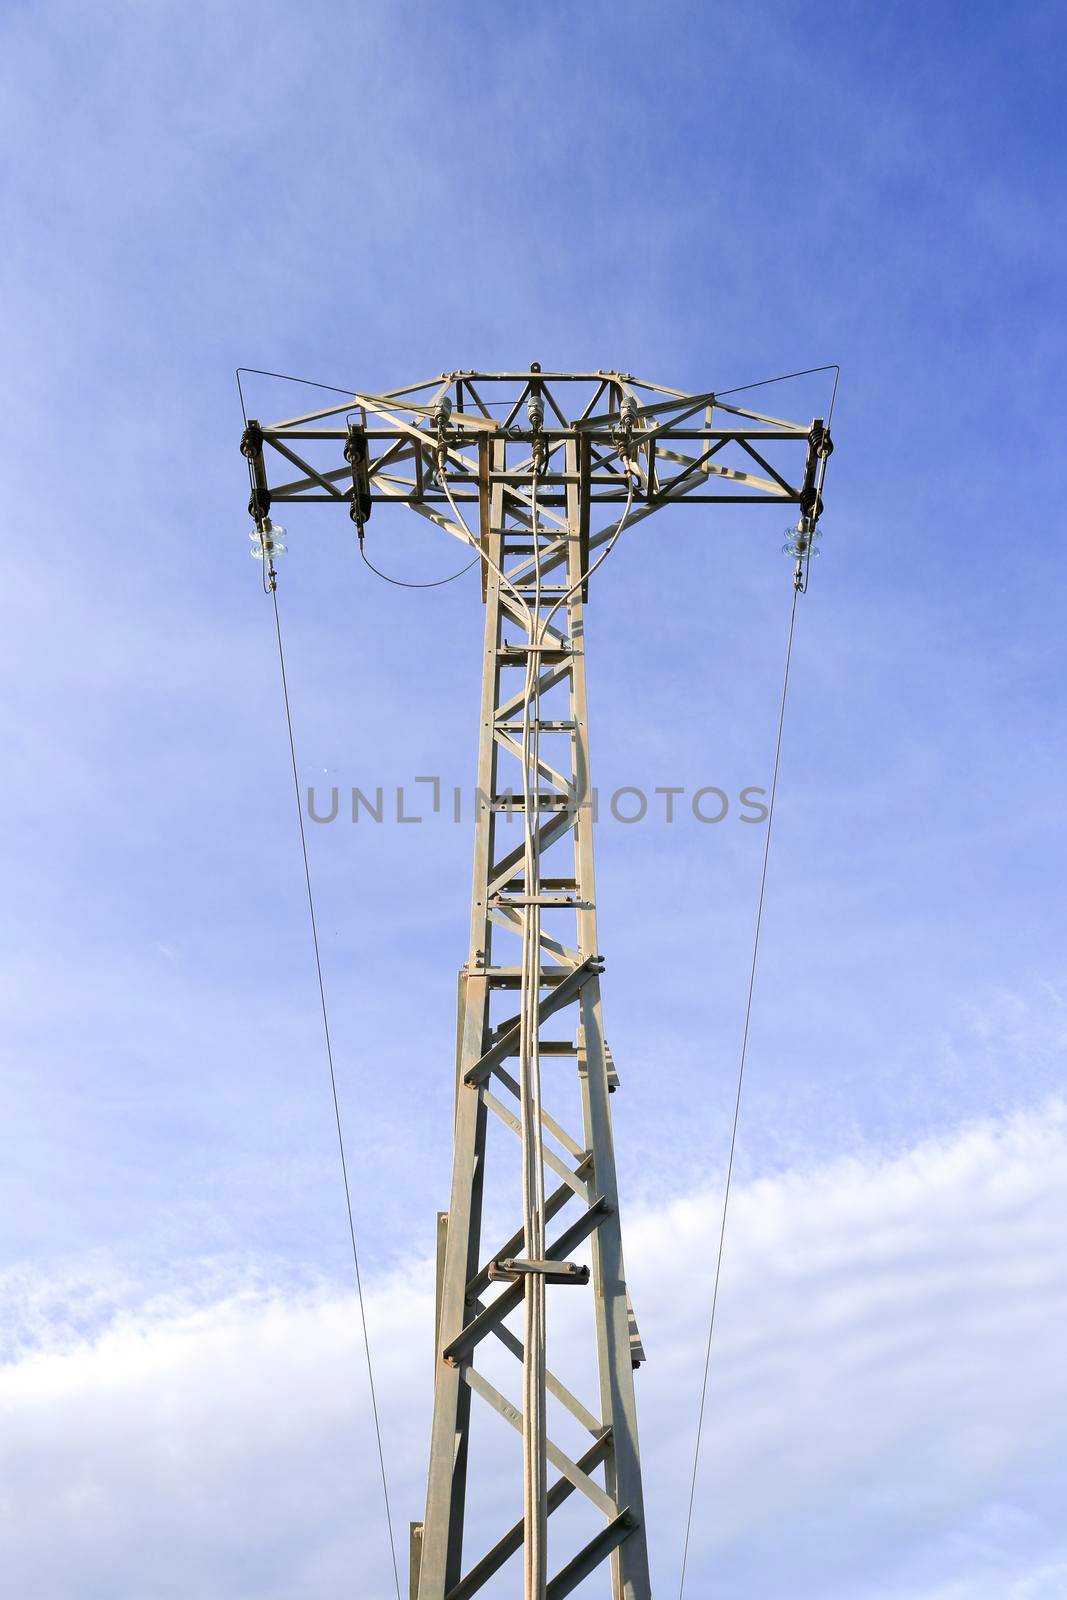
point(543, 499)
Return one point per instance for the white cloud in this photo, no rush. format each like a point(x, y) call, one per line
point(888, 1374)
point(886, 1415)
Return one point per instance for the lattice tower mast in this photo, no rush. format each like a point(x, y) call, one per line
point(541, 472)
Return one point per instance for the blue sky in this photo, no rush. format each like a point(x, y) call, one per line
point(703, 196)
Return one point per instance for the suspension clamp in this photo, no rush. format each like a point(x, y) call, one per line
point(252, 441)
point(819, 439)
point(357, 454)
point(624, 435)
point(809, 497)
point(252, 450)
point(535, 411)
point(441, 416)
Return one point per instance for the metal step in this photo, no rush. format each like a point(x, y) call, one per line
point(541, 726)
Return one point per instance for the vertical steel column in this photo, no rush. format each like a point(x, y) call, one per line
point(570, 992)
point(630, 1580)
point(442, 1539)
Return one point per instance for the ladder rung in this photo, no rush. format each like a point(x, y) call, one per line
point(550, 885)
point(551, 1047)
point(542, 802)
point(541, 726)
point(507, 650)
point(520, 900)
point(511, 977)
point(529, 593)
point(513, 1268)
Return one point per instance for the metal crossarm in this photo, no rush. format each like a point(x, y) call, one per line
point(540, 472)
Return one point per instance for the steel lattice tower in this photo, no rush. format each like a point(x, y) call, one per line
point(541, 471)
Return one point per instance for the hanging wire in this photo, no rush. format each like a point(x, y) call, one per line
point(287, 377)
point(737, 1099)
point(270, 587)
point(333, 1089)
point(401, 583)
point(783, 377)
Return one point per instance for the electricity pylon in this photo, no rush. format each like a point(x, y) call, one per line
point(541, 472)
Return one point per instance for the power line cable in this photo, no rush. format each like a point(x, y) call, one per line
point(402, 583)
point(333, 1089)
point(287, 377)
point(737, 1100)
point(783, 377)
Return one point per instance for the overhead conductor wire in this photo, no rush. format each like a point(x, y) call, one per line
point(271, 587)
point(737, 1100)
point(800, 583)
point(336, 1103)
point(402, 583)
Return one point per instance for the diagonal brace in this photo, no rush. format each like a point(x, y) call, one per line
point(461, 1346)
point(560, 996)
point(506, 1547)
point(559, 1459)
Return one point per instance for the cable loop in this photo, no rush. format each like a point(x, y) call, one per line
point(402, 583)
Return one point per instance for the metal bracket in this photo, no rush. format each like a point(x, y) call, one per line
point(513, 1268)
